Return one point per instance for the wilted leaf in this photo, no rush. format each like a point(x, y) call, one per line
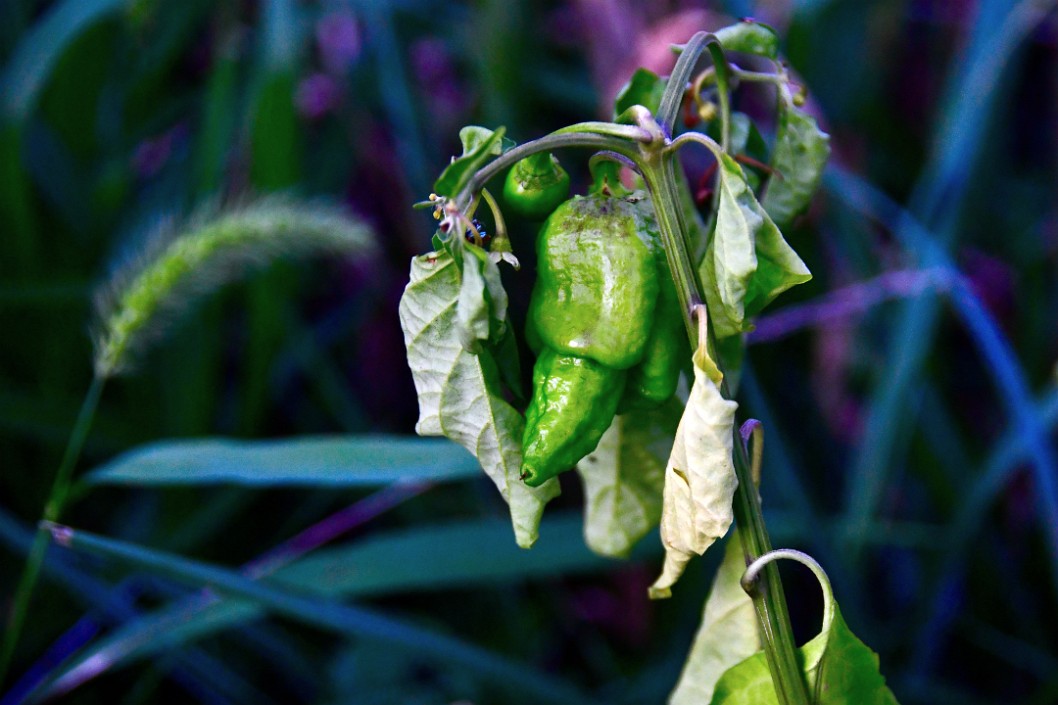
point(747, 263)
point(700, 478)
point(482, 310)
point(727, 635)
point(801, 152)
point(624, 476)
point(459, 392)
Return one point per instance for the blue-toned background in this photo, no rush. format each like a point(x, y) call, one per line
point(908, 392)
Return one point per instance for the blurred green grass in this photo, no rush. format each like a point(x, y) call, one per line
point(891, 455)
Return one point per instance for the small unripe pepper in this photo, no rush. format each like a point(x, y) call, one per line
point(535, 186)
point(602, 315)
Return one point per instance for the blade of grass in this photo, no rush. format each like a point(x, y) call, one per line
point(937, 196)
point(324, 614)
point(331, 461)
point(29, 68)
point(993, 346)
point(424, 558)
point(195, 671)
point(998, 470)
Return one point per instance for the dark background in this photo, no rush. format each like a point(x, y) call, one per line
point(882, 417)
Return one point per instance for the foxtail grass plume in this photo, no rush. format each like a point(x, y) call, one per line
point(216, 246)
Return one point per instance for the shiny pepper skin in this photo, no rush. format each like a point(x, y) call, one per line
point(574, 400)
point(535, 186)
point(606, 323)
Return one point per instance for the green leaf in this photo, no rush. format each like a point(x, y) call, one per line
point(747, 263)
point(423, 558)
point(700, 478)
point(750, 37)
point(339, 461)
point(348, 620)
point(801, 152)
point(644, 88)
point(459, 392)
point(624, 476)
point(479, 145)
point(29, 67)
point(839, 669)
point(727, 635)
point(746, 139)
point(472, 137)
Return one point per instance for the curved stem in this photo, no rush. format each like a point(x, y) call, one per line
point(609, 129)
point(545, 144)
point(749, 578)
point(52, 510)
point(695, 138)
point(658, 169)
point(681, 73)
point(723, 89)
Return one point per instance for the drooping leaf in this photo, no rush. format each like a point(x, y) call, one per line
point(801, 152)
point(479, 145)
point(623, 478)
point(321, 461)
point(839, 670)
point(750, 37)
point(700, 478)
point(747, 263)
point(727, 635)
point(472, 312)
point(459, 392)
point(644, 88)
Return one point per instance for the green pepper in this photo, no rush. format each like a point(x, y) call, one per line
point(603, 315)
point(654, 380)
point(574, 401)
point(535, 186)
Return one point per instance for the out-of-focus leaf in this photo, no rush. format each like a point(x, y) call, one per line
point(624, 477)
point(700, 478)
point(336, 461)
point(482, 145)
point(464, 554)
point(747, 263)
point(41, 48)
point(750, 38)
point(644, 88)
point(727, 635)
point(801, 152)
point(323, 613)
point(460, 393)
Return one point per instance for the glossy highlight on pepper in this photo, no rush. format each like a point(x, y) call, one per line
point(606, 324)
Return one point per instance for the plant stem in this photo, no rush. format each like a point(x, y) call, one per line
point(52, 509)
point(657, 167)
point(560, 140)
point(768, 597)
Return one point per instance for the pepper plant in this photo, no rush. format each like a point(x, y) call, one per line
point(636, 286)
